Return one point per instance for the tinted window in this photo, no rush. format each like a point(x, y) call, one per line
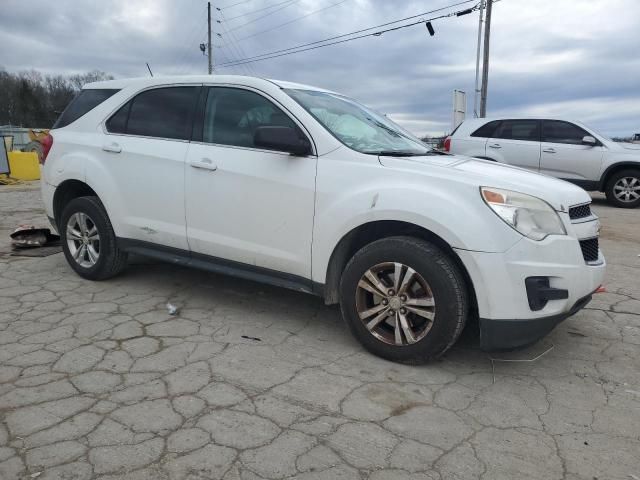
point(118, 122)
point(555, 131)
point(161, 112)
point(486, 130)
point(232, 115)
point(518, 130)
point(86, 101)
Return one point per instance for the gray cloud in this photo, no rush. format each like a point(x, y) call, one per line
point(555, 57)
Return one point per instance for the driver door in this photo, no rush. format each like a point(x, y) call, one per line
point(247, 204)
point(565, 156)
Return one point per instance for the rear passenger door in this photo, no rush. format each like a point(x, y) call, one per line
point(144, 152)
point(565, 156)
point(474, 144)
point(517, 143)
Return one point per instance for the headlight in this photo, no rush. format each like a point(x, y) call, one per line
point(531, 216)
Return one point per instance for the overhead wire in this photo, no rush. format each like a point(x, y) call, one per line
point(236, 4)
point(282, 7)
point(354, 35)
point(258, 10)
point(187, 58)
point(180, 57)
point(291, 21)
point(233, 43)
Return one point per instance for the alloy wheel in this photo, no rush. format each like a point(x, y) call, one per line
point(395, 303)
point(83, 239)
point(627, 189)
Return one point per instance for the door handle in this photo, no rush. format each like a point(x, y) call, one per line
point(112, 147)
point(495, 145)
point(204, 164)
point(549, 150)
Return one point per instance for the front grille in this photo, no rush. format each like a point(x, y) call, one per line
point(581, 211)
point(589, 249)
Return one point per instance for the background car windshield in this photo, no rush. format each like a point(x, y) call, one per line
point(355, 125)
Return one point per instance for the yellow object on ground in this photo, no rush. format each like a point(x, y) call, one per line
point(24, 165)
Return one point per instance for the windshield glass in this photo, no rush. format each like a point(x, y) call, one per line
point(606, 137)
point(357, 126)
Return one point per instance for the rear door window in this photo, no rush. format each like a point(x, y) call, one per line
point(518, 130)
point(87, 100)
point(556, 131)
point(486, 131)
point(118, 122)
point(160, 112)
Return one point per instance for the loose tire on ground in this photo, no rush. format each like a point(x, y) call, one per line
point(616, 189)
point(111, 260)
point(439, 278)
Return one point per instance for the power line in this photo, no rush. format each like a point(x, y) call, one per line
point(323, 43)
point(235, 4)
point(290, 2)
point(291, 21)
point(363, 30)
point(187, 59)
point(180, 57)
point(258, 10)
point(231, 39)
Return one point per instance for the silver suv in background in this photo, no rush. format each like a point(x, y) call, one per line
point(560, 148)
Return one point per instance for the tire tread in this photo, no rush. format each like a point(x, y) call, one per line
point(456, 282)
point(114, 260)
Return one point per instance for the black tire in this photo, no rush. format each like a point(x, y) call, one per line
point(617, 177)
point(445, 280)
point(111, 260)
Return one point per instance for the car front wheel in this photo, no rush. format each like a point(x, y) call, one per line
point(88, 240)
point(404, 299)
point(623, 189)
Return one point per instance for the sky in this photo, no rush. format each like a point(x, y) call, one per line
point(570, 58)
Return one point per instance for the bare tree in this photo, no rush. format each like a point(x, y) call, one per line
point(31, 99)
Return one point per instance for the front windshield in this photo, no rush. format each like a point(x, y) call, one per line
point(357, 126)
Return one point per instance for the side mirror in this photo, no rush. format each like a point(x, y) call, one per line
point(589, 140)
point(284, 139)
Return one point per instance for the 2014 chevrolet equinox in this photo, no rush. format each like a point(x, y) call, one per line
point(308, 189)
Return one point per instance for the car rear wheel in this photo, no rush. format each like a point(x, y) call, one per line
point(88, 240)
point(623, 189)
point(404, 299)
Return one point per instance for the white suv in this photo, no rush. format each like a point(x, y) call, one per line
point(560, 148)
point(307, 189)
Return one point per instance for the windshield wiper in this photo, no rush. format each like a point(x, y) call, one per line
point(398, 153)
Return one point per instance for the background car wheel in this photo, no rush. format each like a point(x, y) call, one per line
point(88, 240)
point(404, 299)
point(623, 189)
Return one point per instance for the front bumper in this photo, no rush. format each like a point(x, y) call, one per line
point(510, 334)
point(508, 319)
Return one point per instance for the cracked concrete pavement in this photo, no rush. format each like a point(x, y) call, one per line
point(98, 381)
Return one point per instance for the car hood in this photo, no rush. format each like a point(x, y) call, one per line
point(558, 193)
point(630, 146)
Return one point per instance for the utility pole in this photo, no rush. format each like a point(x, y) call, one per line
point(476, 93)
point(209, 50)
point(485, 61)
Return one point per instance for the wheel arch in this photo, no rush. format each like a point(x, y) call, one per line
point(369, 232)
point(67, 191)
point(613, 169)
